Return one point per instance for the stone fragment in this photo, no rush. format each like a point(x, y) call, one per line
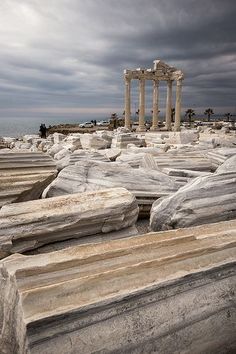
point(29, 225)
point(54, 149)
point(58, 137)
point(24, 176)
point(220, 155)
point(147, 185)
point(162, 292)
point(149, 162)
point(111, 154)
point(61, 154)
point(228, 166)
point(196, 161)
point(81, 155)
point(184, 173)
point(207, 199)
point(73, 142)
point(183, 137)
point(106, 135)
point(93, 141)
point(121, 140)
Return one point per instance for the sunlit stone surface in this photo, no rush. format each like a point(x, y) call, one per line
point(160, 292)
point(29, 225)
point(206, 199)
point(24, 175)
point(146, 184)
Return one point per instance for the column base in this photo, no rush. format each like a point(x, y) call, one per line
point(141, 129)
point(154, 129)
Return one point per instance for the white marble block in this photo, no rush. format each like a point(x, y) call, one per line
point(29, 225)
point(167, 292)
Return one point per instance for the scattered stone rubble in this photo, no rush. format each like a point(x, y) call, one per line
point(89, 175)
point(159, 292)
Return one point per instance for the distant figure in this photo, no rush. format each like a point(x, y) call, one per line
point(95, 122)
point(43, 131)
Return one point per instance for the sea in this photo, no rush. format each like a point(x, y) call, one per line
point(19, 126)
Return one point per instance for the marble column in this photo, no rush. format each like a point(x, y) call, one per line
point(155, 105)
point(141, 121)
point(168, 105)
point(127, 102)
point(178, 105)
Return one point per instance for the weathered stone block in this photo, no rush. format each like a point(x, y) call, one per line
point(29, 225)
point(157, 293)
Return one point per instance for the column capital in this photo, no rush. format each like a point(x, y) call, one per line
point(156, 82)
point(179, 82)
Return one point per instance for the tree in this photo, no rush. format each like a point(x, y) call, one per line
point(209, 112)
point(172, 114)
point(228, 115)
point(190, 113)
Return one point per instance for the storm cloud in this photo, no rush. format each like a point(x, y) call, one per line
point(67, 57)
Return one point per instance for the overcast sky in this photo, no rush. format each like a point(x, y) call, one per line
point(66, 57)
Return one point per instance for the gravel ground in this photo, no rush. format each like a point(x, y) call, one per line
point(142, 226)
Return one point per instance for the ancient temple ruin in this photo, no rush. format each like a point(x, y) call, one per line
point(160, 72)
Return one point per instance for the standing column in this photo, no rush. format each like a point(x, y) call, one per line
point(168, 105)
point(155, 105)
point(127, 103)
point(141, 120)
point(178, 105)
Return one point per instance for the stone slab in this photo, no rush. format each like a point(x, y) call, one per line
point(29, 225)
point(165, 292)
point(24, 176)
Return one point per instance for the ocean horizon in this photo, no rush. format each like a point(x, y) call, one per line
point(19, 126)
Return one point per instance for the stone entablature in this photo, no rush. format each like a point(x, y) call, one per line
point(160, 72)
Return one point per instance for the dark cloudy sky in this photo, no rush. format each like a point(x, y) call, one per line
point(66, 57)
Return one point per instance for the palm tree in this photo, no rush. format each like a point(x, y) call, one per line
point(228, 115)
point(209, 112)
point(190, 113)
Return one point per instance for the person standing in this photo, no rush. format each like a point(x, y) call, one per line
point(43, 131)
